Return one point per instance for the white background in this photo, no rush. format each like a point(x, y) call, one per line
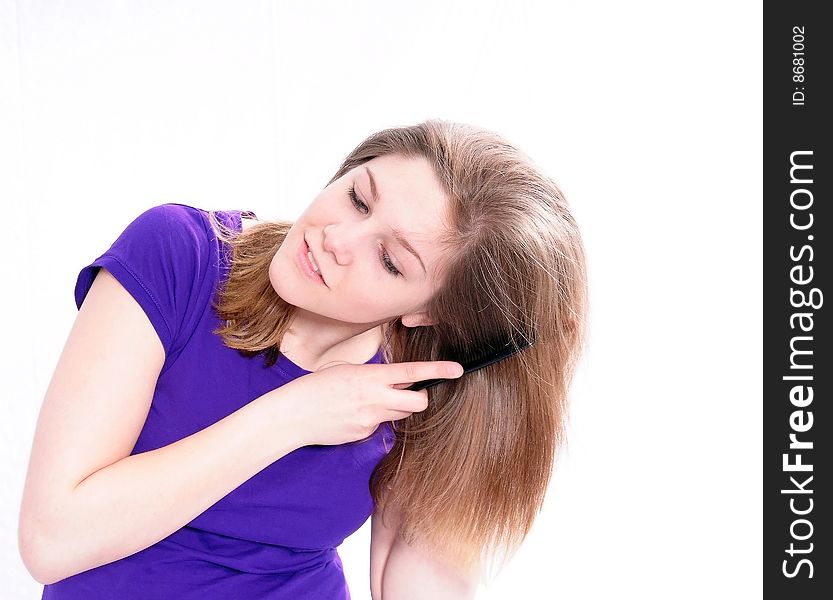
point(648, 114)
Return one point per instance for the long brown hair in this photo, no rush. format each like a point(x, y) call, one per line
point(467, 476)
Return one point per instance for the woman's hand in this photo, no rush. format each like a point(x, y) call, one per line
point(344, 403)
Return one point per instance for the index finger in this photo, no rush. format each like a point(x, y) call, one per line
point(409, 372)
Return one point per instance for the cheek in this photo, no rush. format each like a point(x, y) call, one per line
point(372, 298)
point(366, 294)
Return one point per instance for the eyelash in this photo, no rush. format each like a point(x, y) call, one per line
point(386, 262)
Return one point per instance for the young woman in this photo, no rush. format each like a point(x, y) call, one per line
point(232, 400)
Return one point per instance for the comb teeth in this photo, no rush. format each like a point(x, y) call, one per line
point(506, 351)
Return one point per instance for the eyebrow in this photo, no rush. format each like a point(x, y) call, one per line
point(396, 233)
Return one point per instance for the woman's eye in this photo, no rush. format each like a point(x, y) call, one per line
point(360, 206)
point(386, 262)
point(383, 256)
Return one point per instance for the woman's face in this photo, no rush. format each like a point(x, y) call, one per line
point(368, 275)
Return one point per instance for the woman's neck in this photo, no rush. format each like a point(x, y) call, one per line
point(312, 346)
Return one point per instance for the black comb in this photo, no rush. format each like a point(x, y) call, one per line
point(509, 349)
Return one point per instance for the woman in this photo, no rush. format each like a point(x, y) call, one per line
point(222, 416)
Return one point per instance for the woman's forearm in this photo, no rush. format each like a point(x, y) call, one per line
point(141, 499)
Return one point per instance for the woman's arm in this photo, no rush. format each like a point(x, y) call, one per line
point(382, 537)
point(86, 501)
point(399, 571)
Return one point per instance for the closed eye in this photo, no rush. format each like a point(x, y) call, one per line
point(360, 206)
point(387, 264)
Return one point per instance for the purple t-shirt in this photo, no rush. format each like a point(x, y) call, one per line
point(275, 536)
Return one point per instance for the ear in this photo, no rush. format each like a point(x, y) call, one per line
point(418, 319)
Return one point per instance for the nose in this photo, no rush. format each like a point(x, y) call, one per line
point(338, 241)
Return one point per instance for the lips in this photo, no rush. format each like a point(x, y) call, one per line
point(312, 261)
point(305, 264)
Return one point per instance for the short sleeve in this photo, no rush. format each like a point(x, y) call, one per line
point(162, 259)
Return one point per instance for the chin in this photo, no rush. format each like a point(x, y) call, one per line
point(276, 280)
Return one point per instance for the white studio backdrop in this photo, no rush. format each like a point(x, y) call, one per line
point(648, 114)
